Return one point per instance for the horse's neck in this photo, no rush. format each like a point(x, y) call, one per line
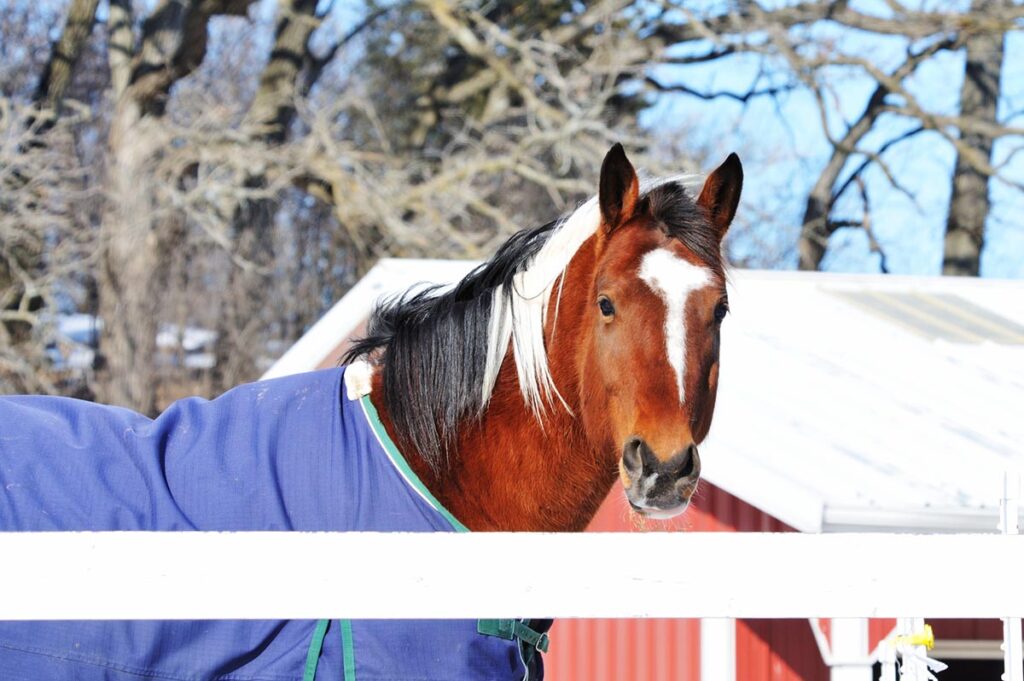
point(510, 471)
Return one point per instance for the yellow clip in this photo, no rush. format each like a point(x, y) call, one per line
point(925, 638)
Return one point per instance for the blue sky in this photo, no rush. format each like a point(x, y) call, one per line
point(784, 149)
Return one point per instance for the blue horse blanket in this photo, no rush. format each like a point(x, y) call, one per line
point(286, 454)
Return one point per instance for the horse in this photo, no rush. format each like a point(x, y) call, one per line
point(584, 351)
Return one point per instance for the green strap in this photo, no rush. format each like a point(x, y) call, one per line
point(316, 644)
point(511, 630)
point(348, 650)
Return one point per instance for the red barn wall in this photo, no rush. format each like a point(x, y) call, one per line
point(968, 630)
point(778, 650)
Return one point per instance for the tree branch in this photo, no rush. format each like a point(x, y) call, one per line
point(174, 39)
point(65, 53)
point(721, 94)
point(120, 45)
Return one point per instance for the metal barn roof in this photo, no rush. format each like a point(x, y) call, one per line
point(846, 402)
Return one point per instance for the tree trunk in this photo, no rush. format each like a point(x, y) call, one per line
point(132, 245)
point(120, 45)
point(57, 75)
point(273, 108)
point(129, 294)
point(969, 203)
point(815, 232)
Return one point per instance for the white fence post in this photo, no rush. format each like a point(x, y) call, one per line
point(887, 657)
point(1013, 664)
point(850, 660)
point(718, 649)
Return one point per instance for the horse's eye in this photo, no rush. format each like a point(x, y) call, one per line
point(607, 309)
point(721, 310)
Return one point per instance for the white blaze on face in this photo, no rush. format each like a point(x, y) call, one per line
point(674, 280)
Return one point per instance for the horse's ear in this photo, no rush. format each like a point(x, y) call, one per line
point(619, 189)
point(721, 194)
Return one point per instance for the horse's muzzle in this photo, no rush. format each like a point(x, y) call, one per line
point(656, 488)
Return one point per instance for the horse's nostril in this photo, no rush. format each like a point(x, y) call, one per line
point(632, 459)
point(690, 462)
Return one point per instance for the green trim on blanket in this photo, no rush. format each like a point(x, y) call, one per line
point(403, 466)
point(348, 650)
point(316, 644)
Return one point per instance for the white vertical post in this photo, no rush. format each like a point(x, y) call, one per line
point(887, 656)
point(850, 660)
point(1013, 662)
point(717, 649)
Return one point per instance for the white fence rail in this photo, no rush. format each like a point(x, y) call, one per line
point(126, 575)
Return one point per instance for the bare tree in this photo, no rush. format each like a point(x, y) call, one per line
point(44, 191)
point(979, 100)
point(818, 221)
point(235, 179)
point(748, 27)
point(132, 277)
point(227, 178)
point(57, 77)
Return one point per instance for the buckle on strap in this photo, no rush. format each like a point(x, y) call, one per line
point(512, 630)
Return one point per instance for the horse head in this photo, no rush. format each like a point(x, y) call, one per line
point(649, 356)
point(583, 347)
